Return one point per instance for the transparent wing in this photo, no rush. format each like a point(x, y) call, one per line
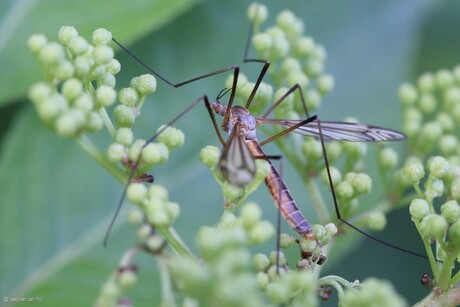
point(341, 131)
point(237, 163)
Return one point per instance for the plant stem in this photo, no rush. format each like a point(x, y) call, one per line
point(100, 158)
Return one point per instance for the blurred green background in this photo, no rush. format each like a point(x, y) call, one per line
point(55, 202)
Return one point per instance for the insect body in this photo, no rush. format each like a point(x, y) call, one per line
point(237, 162)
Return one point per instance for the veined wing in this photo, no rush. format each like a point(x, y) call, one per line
point(237, 163)
point(340, 131)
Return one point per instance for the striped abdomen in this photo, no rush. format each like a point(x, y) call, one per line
point(281, 195)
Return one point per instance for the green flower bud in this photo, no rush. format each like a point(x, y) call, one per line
point(361, 183)
point(261, 262)
point(312, 99)
point(427, 103)
point(433, 226)
point(64, 70)
point(144, 84)
point(331, 229)
point(319, 53)
point(451, 97)
point(278, 292)
point(257, 13)
point(438, 166)
point(94, 122)
point(281, 259)
point(124, 116)
point(308, 245)
point(444, 78)
point(454, 233)
point(345, 190)
point(171, 137)
point(36, 42)
point(230, 191)
point(264, 93)
point(388, 158)
point(127, 278)
point(411, 128)
point(297, 77)
point(78, 45)
point(311, 148)
point(436, 189)
point(158, 192)
point(262, 280)
point(335, 176)
point(155, 153)
point(448, 144)
point(83, 65)
point(285, 20)
point(136, 193)
point(376, 220)
point(407, 94)
point(418, 209)
point(373, 292)
point(250, 214)
point(116, 152)
point(210, 155)
point(108, 79)
point(103, 54)
point(286, 240)
point(101, 36)
point(289, 65)
point(242, 80)
point(413, 171)
point(450, 211)
point(455, 189)
point(135, 149)
point(39, 92)
point(445, 121)
point(159, 217)
point(304, 46)
point(66, 33)
point(124, 136)
point(98, 72)
point(105, 96)
point(354, 149)
point(325, 84)
point(51, 107)
point(426, 82)
point(110, 290)
point(69, 123)
point(136, 217)
point(128, 96)
point(262, 169)
point(173, 210)
point(113, 67)
point(144, 232)
point(262, 41)
point(412, 114)
point(51, 54)
point(280, 47)
point(314, 67)
point(261, 232)
point(72, 88)
point(334, 150)
point(154, 243)
point(319, 231)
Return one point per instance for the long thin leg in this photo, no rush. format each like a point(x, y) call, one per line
point(133, 170)
point(337, 211)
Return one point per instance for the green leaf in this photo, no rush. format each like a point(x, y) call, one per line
point(20, 19)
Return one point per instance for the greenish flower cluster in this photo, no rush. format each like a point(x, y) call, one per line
point(431, 114)
point(78, 87)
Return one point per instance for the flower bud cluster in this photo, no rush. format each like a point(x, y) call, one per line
point(79, 80)
point(155, 203)
point(224, 274)
point(113, 290)
point(373, 292)
point(295, 58)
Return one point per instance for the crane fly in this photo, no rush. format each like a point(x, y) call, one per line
point(237, 162)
